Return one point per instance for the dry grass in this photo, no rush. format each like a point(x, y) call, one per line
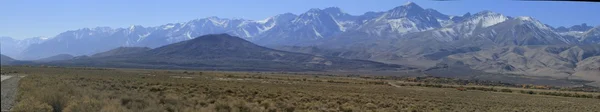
point(90, 90)
point(562, 93)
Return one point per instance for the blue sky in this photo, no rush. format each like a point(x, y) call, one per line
point(30, 18)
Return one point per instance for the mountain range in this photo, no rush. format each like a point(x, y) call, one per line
point(222, 52)
point(309, 28)
point(405, 35)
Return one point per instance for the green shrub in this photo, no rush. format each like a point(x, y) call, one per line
point(222, 107)
point(527, 92)
point(506, 90)
point(481, 88)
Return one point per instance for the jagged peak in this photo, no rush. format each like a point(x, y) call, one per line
point(213, 17)
point(467, 14)
point(329, 10)
point(486, 13)
point(287, 14)
point(409, 5)
point(437, 14)
point(100, 28)
point(407, 9)
point(581, 27)
point(314, 10)
point(333, 9)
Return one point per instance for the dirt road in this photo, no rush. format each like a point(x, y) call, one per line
point(9, 90)
point(4, 77)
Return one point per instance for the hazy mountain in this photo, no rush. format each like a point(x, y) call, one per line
point(225, 52)
point(5, 60)
point(56, 58)
point(86, 41)
point(580, 28)
point(576, 31)
point(13, 47)
point(121, 51)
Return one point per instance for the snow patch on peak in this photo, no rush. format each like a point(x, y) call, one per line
point(524, 18)
point(188, 34)
point(487, 18)
point(408, 3)
point(317, 33)
point(217, 21)
point(264, 20)
point(493, 21)
point(169, 26)
point(132, 28)
point(533, 21)
point(41, 38)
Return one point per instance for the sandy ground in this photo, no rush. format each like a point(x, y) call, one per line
point(9, 90)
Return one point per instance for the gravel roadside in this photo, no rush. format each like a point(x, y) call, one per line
point(9, 91)
point(4, 77)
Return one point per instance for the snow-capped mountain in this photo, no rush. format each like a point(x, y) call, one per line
point(404, 19)
point(466, 25)
point(406, 22)
point(488, 28)
point(523, 31)
point(313, 25)
point(87, 41)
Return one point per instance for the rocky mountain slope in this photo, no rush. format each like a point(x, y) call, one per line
point(562, 62)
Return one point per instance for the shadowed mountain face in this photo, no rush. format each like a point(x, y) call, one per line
point(56, 58)
point(5, 60)
point(225, 52)
point(121, 51)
